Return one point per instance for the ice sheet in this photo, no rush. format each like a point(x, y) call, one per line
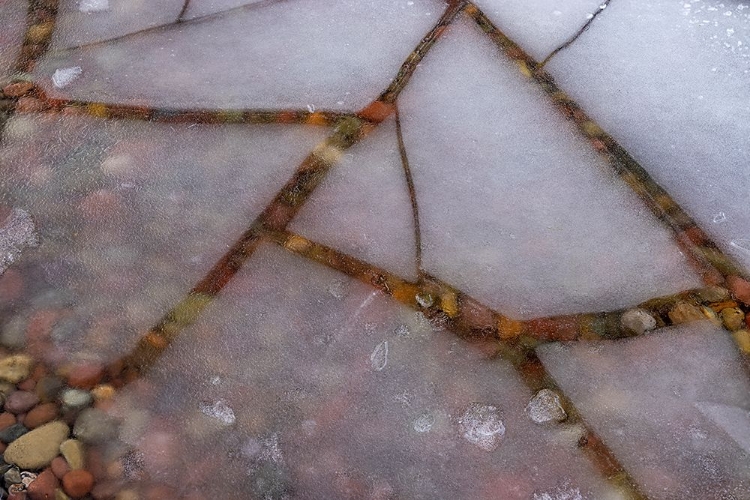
point(130, 215)
point(643, 395)
point(669, 81)
point(362, 208)
point(13, 16)
point(516, 208)
point(198, 8)
point(336, 55)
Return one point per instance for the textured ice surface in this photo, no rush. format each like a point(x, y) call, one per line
point(539, 26)
point(63, 77)
point(643, 395)
point(131, 215)
point(362, 207)
point(734, 420)
point(12, 16)
point(199, 8)
point(81, 22)
point(17, 231)
point(289, 54)
point(516, 209)
point(293, 363)
point(669, 80)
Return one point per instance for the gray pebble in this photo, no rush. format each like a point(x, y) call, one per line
point(13, 335)
point(13, 476)
point(75, 399)
point(95, 426)
point(13, 432)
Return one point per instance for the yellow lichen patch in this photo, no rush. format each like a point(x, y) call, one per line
point(187, 311)
point(327, 154)
point(449, 304)
point(297, 244)
point(742, 337)
point(509, 328)
point(97, 109)
point(103, 392)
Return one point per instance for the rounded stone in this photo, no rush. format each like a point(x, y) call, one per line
point(6, 420)
point(740, 288)
point(43, 487)
point(74, 453)
point(15, 368)
point(638, 321)
point(545, 407)
point(48, 388)
point(78, 483)
point(59, 467)
point(94, 426)
point(13, 334)
point(40, 415)
point(76, 399)
point(36, 449)
point(85, 376)
point(13, 432)
point(732, 317)
point(21, 402)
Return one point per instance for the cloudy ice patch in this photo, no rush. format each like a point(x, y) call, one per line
point(481, 425)
point(17, 232)
point(561, 493)
point(220, 411)
point(423, 423)
point(65, 76)
point(379, 356)
point(93, 5)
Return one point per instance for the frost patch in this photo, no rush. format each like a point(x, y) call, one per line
point(93, 5)
point(220, 411)
point(65, 76)
point(424, 423)
point(562, 493)
point(379, 357)
point(481, 425)
point(16, 233)
point(545, 407)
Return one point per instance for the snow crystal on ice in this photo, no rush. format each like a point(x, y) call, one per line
point(65, 76)
point(16, 233)
point(424, 423)
point(379, 356)
point(220, 411)
point(481, 425)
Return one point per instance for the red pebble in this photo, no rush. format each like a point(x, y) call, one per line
point(6, 420)
point(18, 89)
point(85, 376)
point(740, 288)
point(43, 413)
point(27, 385)
point(78, 483)
point(59, 466)
point(43, 487)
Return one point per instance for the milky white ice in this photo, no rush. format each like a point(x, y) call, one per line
point(63, 77)
point(218, 410)
point(93, 5)
point(379, 356)
point(481, 425)
point(17, 232)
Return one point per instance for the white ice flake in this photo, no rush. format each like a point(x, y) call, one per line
point(65, 76)
point(379, 356)
point(218, 410)
point(93, 5)
point(481, 425)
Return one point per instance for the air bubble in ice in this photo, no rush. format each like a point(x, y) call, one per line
point(402, 331)
point(742, 244)
point(481, 425)
point(218, 410)
point(65, 76)
point(719, 218)
point(93, 5)
point(545, 407)
point(379, 356)
point(424, 423)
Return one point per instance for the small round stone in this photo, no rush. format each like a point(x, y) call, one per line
point(76, 399)
point(78, 483)
point(21, 402)
point(94, 426)
point(638, 321)
point(85, 376)
point(13, 432)
point(40, 415)
point(43, 487)
point(6, 420)
point(732, 317)
point(59, 467)
point(36, 449)
point(74, 453)
point(15, 368)
point(48, 388)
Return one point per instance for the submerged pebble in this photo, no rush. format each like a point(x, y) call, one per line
point(638, 321)
point(545, 407)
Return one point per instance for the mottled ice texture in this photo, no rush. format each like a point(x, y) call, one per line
point(316, 419)
point(131, 215)
point(666, 405)
point(81, 22)
point(539, 26)
point(13, 26)
point(516, 208)
point(669, 80)
point(200, 8)
point(289, 54)
point(17, 232)
point(362, 208)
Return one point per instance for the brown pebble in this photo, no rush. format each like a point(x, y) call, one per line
point(740, 288)
point(27, 385)
point(78, 483)
point(43, 487)
point(684, 312)
point(6, 420)
point(85, 376)
point(59, 467)
point(747, 320)
point(41, 414)
point(47, 388)
point(21, 402)
point(18, 89)
point(733, 318)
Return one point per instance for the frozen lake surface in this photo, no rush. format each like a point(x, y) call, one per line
point(358, 249)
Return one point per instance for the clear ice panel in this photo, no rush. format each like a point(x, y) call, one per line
point(660, 404)
point(669, 80)
point(539, 26)
point(516, 207)
point(13, 16)
point(200, 8)
point(130, 215)
point(300, 54)
point(363, 208)
point(301, 381)
point(81, 22)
